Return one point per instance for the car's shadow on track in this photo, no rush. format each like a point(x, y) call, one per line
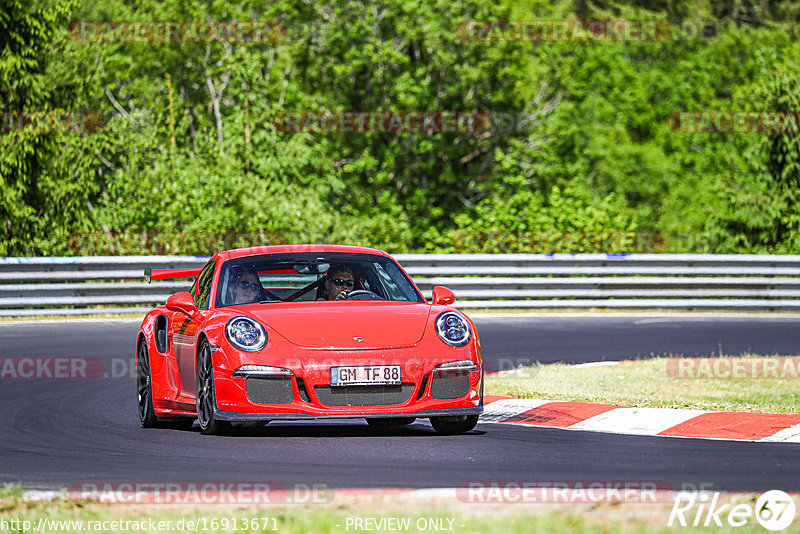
point(328, 430)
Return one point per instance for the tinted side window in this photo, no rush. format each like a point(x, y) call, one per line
point(401, 284)
point(203, 293)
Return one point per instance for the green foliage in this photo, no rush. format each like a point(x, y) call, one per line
point(189, 143)
point(46, 178)
point(761, 213)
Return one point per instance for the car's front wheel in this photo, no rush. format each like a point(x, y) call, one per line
point(454, 424)
point(205, 395)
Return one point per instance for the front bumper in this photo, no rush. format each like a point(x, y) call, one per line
point(284, 416)
point(308, 394)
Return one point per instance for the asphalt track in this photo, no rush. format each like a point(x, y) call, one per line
point(56, 433)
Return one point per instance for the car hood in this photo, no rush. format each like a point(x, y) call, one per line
point(347, 325)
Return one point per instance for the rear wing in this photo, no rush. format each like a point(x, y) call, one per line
point(165, 274)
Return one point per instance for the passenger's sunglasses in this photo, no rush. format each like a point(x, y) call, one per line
point(244, 284)
point(341, 282)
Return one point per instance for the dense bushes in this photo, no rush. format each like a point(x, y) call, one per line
point(189, 143)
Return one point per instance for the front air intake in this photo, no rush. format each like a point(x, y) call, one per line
point(269, 390)
point(449, 386)
point(364, 395)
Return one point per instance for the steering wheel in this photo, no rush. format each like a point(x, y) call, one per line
point(363, 294)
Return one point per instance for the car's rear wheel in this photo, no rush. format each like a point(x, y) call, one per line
point(205, 395)
point(144, 388)
point(454, 424)
point(389, 422)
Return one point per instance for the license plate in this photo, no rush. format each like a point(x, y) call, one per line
point(365, 375)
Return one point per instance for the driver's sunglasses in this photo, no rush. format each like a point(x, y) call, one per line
point(342, 282)
point(244, 284)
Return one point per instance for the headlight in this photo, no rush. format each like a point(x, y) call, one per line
point(453, 329)
point(246, 334)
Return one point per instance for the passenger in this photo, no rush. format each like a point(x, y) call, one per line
point(246, 286)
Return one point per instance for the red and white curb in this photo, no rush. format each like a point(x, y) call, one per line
point(741, 426)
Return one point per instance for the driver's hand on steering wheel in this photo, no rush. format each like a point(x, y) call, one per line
point(343, 295)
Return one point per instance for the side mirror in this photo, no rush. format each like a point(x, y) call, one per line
point(182, 302)
point(443, 296)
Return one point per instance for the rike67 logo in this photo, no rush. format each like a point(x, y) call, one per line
point(774, 510)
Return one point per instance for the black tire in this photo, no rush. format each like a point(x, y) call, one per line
point(144, 388)
point(389, 422)
point(204, 393)
point(454, 425)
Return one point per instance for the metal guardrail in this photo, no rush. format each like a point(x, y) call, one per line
point(115, 284)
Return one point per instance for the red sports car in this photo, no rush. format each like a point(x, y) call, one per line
point(307, 332)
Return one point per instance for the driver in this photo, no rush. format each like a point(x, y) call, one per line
point(246, 287)
point(338, 283)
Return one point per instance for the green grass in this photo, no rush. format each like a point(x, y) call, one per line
point(648, 383)
point(10, 492)
point(332, 518)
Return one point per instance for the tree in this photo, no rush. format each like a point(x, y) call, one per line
point(46, 177)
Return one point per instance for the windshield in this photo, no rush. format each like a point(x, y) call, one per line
point(313, 276)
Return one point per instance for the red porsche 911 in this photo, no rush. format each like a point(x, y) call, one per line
point(307, 332)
